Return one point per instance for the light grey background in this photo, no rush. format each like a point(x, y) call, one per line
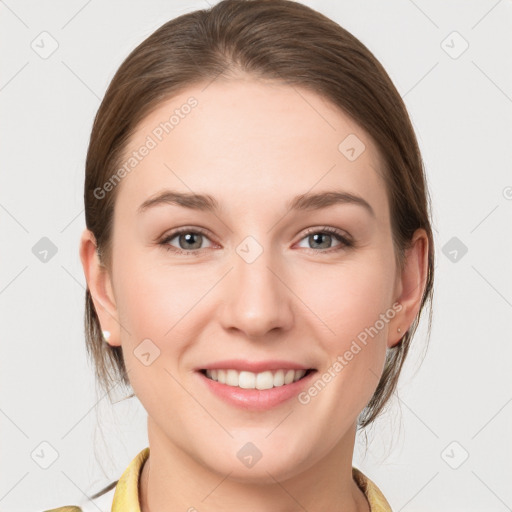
point(461, 110)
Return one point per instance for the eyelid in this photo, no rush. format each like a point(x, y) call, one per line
point(184, 229)
point(331, 230)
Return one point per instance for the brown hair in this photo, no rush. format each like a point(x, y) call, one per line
point(272, 39)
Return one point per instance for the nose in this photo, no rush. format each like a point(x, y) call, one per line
point(257, 299)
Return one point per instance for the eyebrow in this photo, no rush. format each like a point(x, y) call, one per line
point(302, 202)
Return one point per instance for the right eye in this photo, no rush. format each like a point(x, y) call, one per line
point(189, 241)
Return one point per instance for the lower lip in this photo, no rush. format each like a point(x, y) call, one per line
point(256, 399)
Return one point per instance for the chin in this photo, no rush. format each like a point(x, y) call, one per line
point(250, 465)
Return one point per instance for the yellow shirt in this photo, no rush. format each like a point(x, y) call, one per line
point(126, 493)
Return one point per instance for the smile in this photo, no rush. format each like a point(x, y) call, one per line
point(250, 380)
point(279, 386)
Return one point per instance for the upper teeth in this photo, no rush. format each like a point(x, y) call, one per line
point(250, 380)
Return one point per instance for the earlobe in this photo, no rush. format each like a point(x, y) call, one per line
point(100, 287)
point(410, 286)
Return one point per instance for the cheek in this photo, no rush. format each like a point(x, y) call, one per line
point(153, 304)
point(350, 298)
point(353, 308)
point(154, 297)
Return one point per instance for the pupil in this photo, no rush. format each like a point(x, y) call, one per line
point(319, 235)
point(189, 237)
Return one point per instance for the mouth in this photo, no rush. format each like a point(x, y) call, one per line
point(260, 391)
point(268, 379)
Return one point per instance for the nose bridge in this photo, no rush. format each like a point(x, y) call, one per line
point(257, 300)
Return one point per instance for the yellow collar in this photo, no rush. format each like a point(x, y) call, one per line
point(126, 497)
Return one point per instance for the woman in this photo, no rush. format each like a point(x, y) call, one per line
point(258, 253)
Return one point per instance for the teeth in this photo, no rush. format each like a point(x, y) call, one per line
point(250, 380)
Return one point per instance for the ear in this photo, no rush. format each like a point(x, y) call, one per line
point(410, 285)
point(100, 287)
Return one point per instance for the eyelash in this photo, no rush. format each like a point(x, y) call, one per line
point(338, 234)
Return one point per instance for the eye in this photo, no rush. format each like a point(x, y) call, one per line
point(189, 241)
point(321, 238)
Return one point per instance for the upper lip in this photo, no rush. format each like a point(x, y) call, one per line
point(254, 366)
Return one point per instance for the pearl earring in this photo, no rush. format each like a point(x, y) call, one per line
point(106, 335)
point(399, 330)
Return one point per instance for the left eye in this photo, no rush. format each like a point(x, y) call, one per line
point(326, 235)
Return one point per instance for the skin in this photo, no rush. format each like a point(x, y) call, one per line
point(253, 145)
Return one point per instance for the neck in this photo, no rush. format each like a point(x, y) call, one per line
point(172, 480)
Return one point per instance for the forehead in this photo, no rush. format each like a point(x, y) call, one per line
point(249, 143)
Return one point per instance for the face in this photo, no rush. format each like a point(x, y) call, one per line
point(263, 276)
